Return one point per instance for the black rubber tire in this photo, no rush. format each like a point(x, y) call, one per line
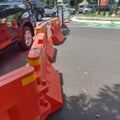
point(27, 39)
point(54, 14)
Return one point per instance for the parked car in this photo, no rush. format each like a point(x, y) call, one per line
point(66, 15)
point(104, 8)
point(38, 9)
point(49, 11)
point(85, 9)
point(17, 23)
point(71, 9)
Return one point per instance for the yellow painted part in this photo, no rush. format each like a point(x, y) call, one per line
point(37, 31)
point(34, 62)
point(51, 22)
point(28, 80)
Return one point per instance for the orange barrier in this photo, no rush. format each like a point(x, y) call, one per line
point(22, 97)
point(42, 28)
point(31, 92)
point(44, 70)
point(56, 36)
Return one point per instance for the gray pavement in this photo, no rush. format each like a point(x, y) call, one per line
point(89, 63)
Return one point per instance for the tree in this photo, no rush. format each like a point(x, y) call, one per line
point(72, 2)
point(55, 3)
point(76, 4)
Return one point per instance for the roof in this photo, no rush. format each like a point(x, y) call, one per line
point(84, 2)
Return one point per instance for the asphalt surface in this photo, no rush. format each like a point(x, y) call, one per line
point(89, 65)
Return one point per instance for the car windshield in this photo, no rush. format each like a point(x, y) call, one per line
point(81, 6)
point(68, 6)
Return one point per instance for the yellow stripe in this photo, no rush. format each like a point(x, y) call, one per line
point(51, 22)
point(28, 80)
point(37, 31)
point(34, 62)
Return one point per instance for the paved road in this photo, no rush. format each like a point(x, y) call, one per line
point(89, 62)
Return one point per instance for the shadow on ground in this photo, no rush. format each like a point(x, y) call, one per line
point(83, 107)
point(66, 31)
point(12, 58)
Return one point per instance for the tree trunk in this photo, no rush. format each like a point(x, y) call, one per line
point(76, 4)
point(55, 3)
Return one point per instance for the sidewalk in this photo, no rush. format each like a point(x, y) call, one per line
point(99, 19)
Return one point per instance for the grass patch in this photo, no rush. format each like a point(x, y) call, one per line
point(91, 14)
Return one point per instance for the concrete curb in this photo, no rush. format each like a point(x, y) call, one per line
point(77, 19)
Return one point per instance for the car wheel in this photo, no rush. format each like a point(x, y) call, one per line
point(39, 16)
point(74, 12)
point(54, 14)
point(27, 38)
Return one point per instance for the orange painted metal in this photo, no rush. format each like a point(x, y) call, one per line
point(44, 70)
point(42, 28)
point(6, 37)
point(10, 33)
point(14, 24)
point(22, 97)
point(56, 36)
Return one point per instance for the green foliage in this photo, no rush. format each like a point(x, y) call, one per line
point(79, 1)
point(48, 2)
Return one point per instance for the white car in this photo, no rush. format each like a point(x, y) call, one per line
point(49, 11)
point(71, 9)
point(85, 9)
point(66, 14)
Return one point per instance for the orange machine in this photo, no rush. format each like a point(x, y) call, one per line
point(17, 24)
